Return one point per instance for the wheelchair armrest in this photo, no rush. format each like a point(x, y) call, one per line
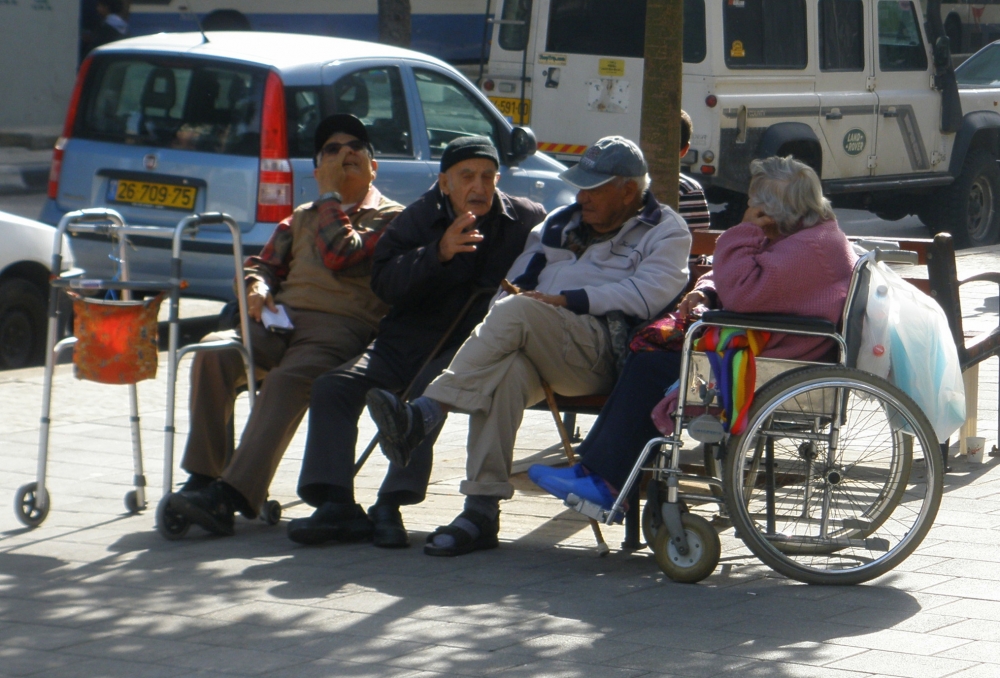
point(770, 321)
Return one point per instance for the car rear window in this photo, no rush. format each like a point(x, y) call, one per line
point(184, 104)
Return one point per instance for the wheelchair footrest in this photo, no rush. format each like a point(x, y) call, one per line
point(591, 509)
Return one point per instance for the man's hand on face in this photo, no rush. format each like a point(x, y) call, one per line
point(551, 299)
point(457, 239)
point(330, 173)
point(259, 296)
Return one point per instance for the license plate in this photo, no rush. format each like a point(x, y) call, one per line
point(509, 109)
point(151, 194)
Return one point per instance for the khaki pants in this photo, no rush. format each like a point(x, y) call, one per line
point(498, 373)
point(319, 343)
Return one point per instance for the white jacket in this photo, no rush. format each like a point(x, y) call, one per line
point(639, 271)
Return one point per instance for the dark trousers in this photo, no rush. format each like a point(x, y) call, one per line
point(338, 399)
point(624, 426)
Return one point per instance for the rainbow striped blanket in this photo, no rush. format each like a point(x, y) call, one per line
point(731, 353)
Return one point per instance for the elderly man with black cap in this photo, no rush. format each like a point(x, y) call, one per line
point(317, 265)
point(615, 249)
point(457, 239)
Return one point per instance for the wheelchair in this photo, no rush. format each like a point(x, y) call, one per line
point(836, 477)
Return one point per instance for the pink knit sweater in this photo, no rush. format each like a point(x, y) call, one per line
point(806, 273)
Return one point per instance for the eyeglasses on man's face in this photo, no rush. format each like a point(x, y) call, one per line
point(333, 148)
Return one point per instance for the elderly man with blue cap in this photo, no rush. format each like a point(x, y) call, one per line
point(616, 249)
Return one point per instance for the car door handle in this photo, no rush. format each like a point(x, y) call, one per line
point(890, 113)
point(835, 115)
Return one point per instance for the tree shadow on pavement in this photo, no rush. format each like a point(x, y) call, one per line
point(256, 603)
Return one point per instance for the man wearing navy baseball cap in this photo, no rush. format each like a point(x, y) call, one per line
point(616, 250)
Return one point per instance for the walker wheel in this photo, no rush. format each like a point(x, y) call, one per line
point(170, 524)
point(31, 506)
point(272, 512)
point(702, 556)
point(132, 502)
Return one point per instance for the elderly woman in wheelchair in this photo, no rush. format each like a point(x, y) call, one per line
point(823, 469)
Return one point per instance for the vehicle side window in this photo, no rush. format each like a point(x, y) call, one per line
point(695, 44)
point(187, 105)
point(514, 37)
point(765, 34)
point(302, 106)
point(451, 111)
point(376, 96)
point(983, 68)
point(900, 47)
point(841, 35)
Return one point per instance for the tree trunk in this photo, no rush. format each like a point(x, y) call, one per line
point(660, 133)
point(394, 22)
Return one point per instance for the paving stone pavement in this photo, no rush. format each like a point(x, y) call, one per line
point(96, 592)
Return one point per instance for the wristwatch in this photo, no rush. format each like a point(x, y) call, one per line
point(330, 195)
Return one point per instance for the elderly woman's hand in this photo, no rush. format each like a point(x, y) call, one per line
point(760, 219)
point(693, 303)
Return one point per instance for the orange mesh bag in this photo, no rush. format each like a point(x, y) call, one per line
point(116, 341)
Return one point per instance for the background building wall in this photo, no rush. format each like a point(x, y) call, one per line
point(38, 59)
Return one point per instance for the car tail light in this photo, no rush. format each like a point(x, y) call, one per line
point(274, 187)
point(489, 85)
point(57, 152)
point(707, 169)
point(711, 101)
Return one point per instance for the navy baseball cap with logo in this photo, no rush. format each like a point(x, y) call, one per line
point(609, 158)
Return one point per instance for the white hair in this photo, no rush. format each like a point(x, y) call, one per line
point(789, 192)
point(641, 182)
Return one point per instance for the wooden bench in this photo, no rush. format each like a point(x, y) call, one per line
point(941, 283)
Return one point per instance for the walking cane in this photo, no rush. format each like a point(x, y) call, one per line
point(431, 356)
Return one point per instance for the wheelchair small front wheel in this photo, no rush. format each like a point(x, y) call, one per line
point(704, 550)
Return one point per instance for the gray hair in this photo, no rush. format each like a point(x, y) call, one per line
point(642, 182)
point(789, 192)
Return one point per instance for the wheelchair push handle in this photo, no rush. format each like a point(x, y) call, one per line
point(897, 256)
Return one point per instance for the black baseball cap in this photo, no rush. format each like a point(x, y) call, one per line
point(340, 122)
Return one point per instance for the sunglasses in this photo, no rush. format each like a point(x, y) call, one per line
point(333, 148)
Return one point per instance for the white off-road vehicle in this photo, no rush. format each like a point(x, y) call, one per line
point(861, 90)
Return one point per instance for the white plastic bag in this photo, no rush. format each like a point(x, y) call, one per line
point(922, 354)
point(874, 354)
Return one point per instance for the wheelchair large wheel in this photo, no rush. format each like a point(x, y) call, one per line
point(837, 477)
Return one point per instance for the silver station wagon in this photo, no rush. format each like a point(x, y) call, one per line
point(165, 125)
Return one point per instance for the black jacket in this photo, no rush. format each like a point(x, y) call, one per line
point(425, 294)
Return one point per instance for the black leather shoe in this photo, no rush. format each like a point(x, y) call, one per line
point(331, 522)
point(390, 533)
point(400, 426)
point(209, 508)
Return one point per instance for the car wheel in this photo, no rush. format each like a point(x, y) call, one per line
point(970, 207)
point(22, 324)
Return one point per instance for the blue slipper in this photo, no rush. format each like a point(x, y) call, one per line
point(536, 471)
point(592, 488)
